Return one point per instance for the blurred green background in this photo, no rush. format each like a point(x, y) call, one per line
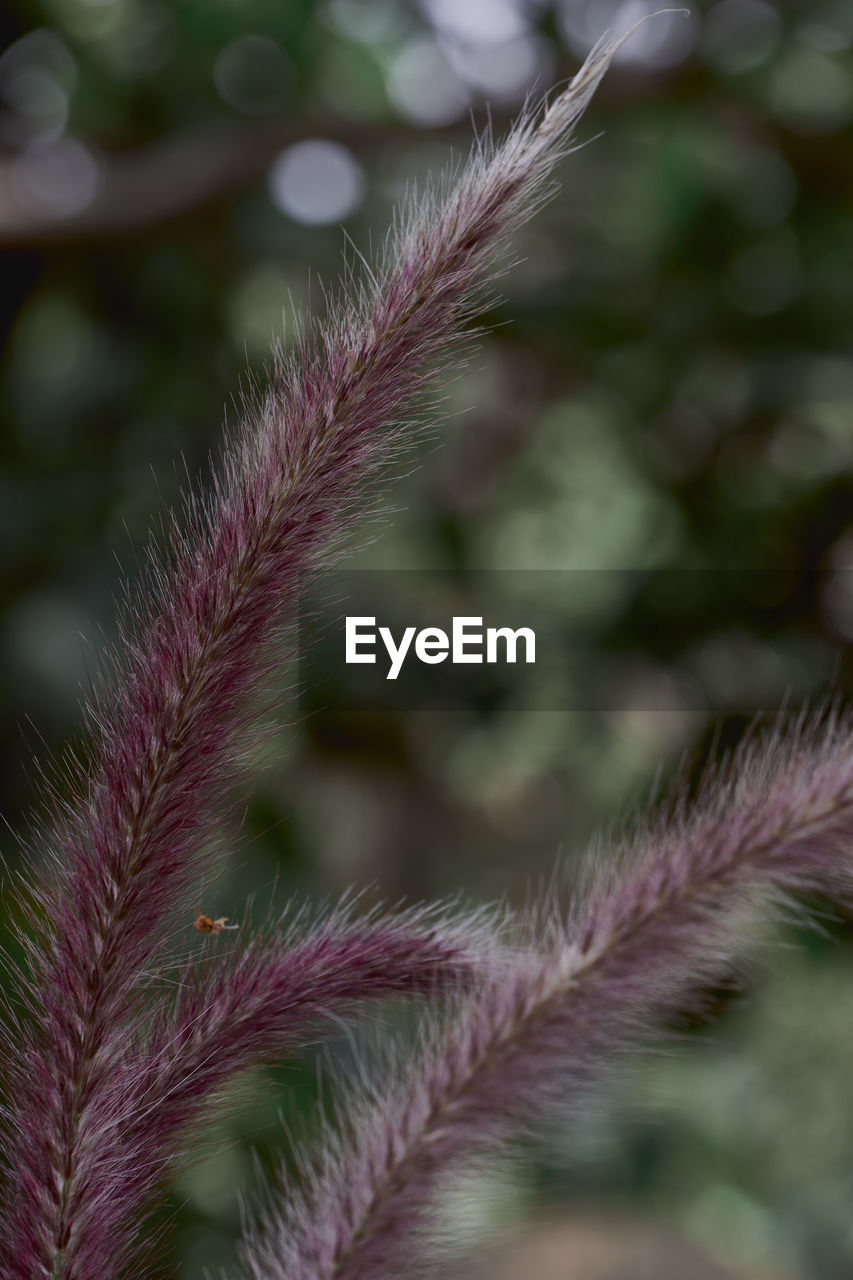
point(667, 383)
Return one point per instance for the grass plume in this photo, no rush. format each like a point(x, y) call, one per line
point(668, 915)
point(178, 696)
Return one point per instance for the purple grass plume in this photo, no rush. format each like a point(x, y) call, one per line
point(670, 914)
point(242, 1004)
point(170, 714)
point(258, 1000)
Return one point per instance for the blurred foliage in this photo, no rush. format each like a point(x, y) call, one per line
point(666, 383)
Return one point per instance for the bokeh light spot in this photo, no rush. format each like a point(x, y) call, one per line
point(480, 21)
point(423, 85)
point(253, 74)
point(811, 92)
point(316, 182)
point(37, 76)
point(740, 34)
point(369, 22)
point(505, 72)
point(58, 182)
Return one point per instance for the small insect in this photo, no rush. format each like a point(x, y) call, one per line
point(204, 924)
